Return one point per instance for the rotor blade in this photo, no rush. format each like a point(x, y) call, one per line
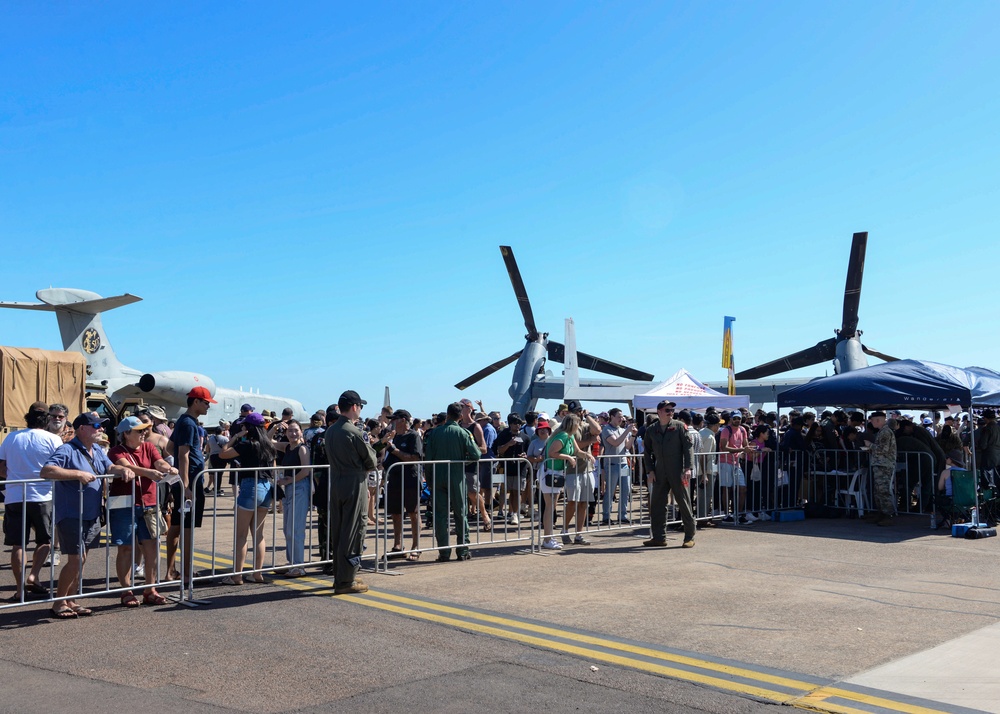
point(820, 352)
point(881, 356)
point(519, 292)
point(487, 371)
point(852, 290)
point(557, 353)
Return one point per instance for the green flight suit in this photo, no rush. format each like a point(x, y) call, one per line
point(450, 442)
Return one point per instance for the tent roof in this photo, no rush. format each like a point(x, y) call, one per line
point(905, 383)
point(688, 393)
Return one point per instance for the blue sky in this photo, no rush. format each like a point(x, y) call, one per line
point(310, 198)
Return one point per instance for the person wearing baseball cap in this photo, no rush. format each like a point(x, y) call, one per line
point(351, 458)
point(77, 497)
point(189, 458)
point(142, 522)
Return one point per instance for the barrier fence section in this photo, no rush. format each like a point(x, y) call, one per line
point(511, 501)
point(841, 479)
point(123, 517)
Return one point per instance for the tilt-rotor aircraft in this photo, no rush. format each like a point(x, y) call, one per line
point(530, 381)
point(845, 349)
point(79, 315)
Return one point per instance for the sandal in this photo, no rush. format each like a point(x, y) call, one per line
point(488, 526)
point(129, 600)
point(396, 553)
point(64, 613)
point(82, 611)
point(414, 556)
point(230, 580)
point(153, 598)
point(36, 589)
point(262, 581)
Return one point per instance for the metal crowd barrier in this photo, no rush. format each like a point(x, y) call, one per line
point(842, 479)
point(782, 481)
point(103, 542)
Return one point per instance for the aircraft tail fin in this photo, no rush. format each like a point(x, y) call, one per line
point(79, 315)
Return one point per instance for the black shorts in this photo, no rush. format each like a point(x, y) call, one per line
point(402, 493)
point(38, 515)
point(197, 507)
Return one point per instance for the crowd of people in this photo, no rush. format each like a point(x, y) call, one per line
point(463, 465)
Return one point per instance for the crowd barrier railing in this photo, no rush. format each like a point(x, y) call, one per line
point(123, 511)
point(619, 502)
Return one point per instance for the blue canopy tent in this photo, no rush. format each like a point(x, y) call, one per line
point(904, 383)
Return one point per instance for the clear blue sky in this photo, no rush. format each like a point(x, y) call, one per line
point(310, 197)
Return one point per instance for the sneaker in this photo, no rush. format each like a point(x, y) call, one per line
point(728, 519)
point(551, 544)
point(580, 540)
point(139, 572)
point(625, 522)
point(606, 522)
point(688, 543)
point(744, 521)
point(751, 518)
point(56, 558)
point(764, 516)
point(354, 588)
point(513, 519)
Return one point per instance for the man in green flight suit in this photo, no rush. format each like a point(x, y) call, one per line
point(450, 442)
point(351, 458)
point(668, 456)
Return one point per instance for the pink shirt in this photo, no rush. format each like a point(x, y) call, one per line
point(737, 439)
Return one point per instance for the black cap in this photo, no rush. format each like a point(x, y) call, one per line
point(348, 399)
point(287, 410)
point(712, 418)
point(574, 405)
point(989, 414)
point(401, 414)
point(89, 419)
point(665, 403)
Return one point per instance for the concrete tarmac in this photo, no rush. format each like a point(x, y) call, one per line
point(831, 603)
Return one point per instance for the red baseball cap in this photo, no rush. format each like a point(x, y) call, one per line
point(201, 393)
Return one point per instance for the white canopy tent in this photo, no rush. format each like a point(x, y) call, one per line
point(688, 393)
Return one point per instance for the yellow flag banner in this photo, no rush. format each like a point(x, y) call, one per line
point(727, 353)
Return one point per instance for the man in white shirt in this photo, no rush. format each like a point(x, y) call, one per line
point(28, 505)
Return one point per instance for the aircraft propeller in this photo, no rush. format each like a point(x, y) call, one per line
point(827, 349)
point(555, 351)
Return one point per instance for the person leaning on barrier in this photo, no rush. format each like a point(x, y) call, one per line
point(141, 517)
point(29, 505)
point(351, 458)
point(668, 460)
point(451, 442)
point(297, 483)
point(75, 468)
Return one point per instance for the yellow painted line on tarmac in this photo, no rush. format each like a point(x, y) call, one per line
point(809, 695)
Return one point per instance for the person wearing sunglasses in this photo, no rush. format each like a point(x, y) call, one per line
point(668, 458)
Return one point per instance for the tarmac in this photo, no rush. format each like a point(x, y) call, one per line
point(827, 615)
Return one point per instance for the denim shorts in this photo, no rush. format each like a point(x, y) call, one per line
point(731, 475)
point(252, 497)
point(123, 521)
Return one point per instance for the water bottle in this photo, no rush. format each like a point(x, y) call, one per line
point(975, 516)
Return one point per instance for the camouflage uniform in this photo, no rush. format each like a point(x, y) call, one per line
point(883, 460)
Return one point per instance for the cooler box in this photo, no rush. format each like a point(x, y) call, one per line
point(960, 529)
point(794, 515)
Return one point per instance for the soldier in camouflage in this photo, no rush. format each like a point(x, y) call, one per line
point(883, 461)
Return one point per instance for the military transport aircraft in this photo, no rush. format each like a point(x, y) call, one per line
point(79, 315)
